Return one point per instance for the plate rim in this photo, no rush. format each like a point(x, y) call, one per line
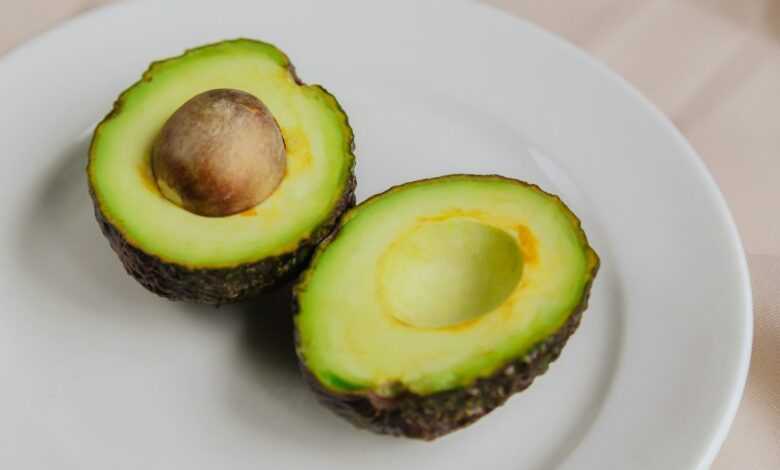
point(729, 411)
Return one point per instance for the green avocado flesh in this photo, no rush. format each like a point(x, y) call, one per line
point(318, 144)
point(438, 283)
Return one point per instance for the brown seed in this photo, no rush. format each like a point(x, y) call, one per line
point(219, 154)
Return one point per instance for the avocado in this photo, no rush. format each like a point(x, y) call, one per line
point(435, 301)
point(219, 171)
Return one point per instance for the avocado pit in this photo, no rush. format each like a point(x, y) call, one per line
point(219, 154)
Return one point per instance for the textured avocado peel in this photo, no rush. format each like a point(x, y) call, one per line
point(428, 417)
point(218, 286)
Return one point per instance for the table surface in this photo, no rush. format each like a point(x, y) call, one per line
point(713, 66)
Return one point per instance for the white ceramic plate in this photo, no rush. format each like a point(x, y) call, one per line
point(98, 373)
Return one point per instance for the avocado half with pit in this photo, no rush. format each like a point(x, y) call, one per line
point(217, 173)
point(435, 301)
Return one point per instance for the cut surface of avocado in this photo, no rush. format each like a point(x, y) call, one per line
point(436, 284)
point(263, 241)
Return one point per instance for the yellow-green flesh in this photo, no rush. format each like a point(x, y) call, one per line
point(436, 283)
point(317, 141)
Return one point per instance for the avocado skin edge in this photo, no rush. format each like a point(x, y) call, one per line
point(218, 286)
point(428, 417)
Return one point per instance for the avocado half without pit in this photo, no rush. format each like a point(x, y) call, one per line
point(435, 301)
point(216, 175)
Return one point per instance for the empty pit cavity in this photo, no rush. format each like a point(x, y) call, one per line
point(442, 274)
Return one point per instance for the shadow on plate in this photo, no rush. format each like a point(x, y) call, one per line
point(267, 334)
point(60, 248)
point(267, 371)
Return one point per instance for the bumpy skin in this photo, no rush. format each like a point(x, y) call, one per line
point(430, 416)
point(221, 285)
point(224, 285)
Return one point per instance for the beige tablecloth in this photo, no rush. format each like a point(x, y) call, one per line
point(714, 67)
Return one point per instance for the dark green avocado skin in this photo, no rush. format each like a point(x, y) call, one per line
point(430, 416)
point(223, 285)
